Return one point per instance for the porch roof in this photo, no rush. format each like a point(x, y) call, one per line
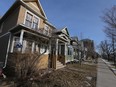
point(20, 27)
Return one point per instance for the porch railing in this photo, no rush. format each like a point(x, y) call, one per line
point(42, 31)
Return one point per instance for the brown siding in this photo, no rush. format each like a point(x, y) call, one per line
point(42, 24)
point(21, 16)
point(35, 8)
point(43, 62)
point(10, 21)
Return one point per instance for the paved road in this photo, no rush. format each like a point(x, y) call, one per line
point(105, 77)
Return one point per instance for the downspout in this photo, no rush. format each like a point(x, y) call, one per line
point(7, 51)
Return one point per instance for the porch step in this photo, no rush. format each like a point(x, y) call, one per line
point(59, 65)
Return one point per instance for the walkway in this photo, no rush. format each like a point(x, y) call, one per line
point(105, 77)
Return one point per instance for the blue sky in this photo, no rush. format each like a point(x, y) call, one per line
point(79, 16)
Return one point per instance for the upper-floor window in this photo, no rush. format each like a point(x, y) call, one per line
point(35, 23)
point(46, 30)
point(31, 20)
point(28, 20)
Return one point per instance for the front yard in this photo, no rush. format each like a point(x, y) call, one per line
point(73, 75)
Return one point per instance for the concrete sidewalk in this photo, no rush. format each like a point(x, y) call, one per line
point(105, 77)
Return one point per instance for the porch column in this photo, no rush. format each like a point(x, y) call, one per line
point(56, 54)
point(33, 47)
point(57, 47)
point(21, 38)
point(24, 46)
point(66, 52)
point(65, 49)
point(49, 59)
point(12, 47)
point(50, 47)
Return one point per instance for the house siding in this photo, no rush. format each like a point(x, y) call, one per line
point(43, 62)
point(21, 16)
point(4, 42)
point(34, 6)
point(10, 21)
point(42, 24)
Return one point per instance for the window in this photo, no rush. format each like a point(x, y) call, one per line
point(28, 46)
point(31, 20)
point(35, 23)
point(69, 51)
point(28, 21)
point(46, 30)
point(37, 48)
point(16, 41)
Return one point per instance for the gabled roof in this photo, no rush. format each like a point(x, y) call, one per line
point(16, 4)
point(65, 31)
point(39, 5)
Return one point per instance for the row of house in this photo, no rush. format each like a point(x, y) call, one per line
point(25, 28)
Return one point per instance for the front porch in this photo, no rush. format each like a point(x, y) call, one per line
point(58, 53)
point(26, 41)
point(55, 50)
point(61, 49)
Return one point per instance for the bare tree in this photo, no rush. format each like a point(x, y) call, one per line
point(105, 49)
point(109, 19)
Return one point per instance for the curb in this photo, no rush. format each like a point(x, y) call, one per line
point(109, 67)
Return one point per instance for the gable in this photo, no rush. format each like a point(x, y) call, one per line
point(65, 31)
point(65, 37)
point(36, 6)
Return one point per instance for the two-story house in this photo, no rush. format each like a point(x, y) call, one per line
point(25, 28)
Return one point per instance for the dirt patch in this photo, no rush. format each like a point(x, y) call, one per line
point(74, 75)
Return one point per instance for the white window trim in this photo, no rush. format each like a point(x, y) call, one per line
point(27, 11)
point(47, 29)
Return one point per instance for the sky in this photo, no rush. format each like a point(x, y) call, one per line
point(81, 17)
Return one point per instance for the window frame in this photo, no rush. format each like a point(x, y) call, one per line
point(33, 15)
point(46, 29)
point(28, 20)
point(35, 24)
